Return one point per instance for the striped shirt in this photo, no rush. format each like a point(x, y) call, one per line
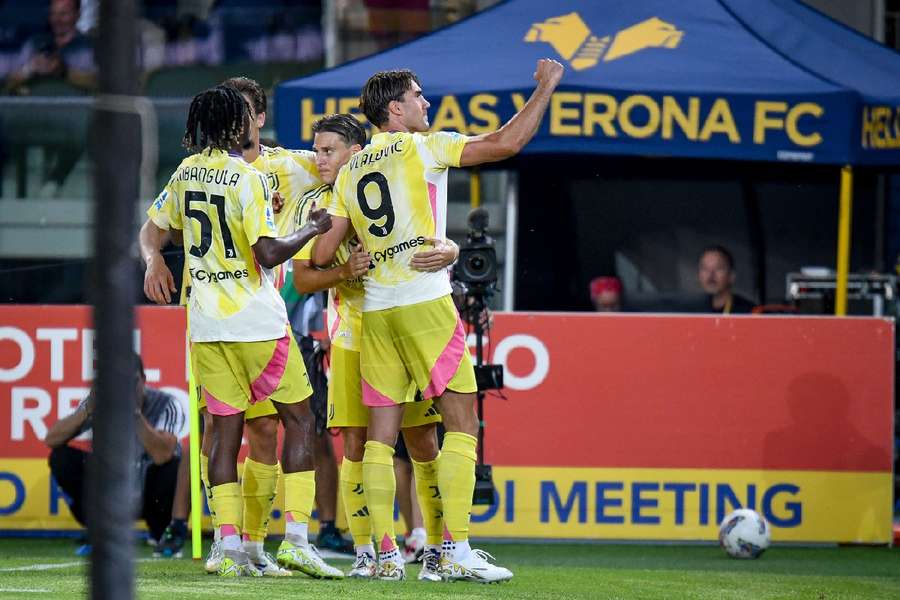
point(163, 412)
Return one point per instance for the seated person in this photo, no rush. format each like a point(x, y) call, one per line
point(63, 52)
point(606, 294)
point(159, 418)
point(717, 276)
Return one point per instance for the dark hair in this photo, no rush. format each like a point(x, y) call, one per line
point(380, 90)
point(345, 125)
point(251, 89)
point(76, 4)
point(729, 259)
point(216, 119)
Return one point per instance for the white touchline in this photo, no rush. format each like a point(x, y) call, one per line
point(51, 566)
point(45, 567)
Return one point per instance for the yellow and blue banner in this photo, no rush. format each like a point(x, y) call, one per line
point(769, 80)
point(625, 427)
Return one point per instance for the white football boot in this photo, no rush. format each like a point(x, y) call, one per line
point(473, 566)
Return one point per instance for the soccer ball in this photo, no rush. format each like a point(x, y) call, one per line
point(744, 533)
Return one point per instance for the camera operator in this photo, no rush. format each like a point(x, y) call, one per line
point(159, 418)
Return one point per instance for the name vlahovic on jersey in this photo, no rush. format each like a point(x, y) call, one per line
point(362, 159)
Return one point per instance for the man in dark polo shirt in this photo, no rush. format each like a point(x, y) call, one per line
point(717, 276)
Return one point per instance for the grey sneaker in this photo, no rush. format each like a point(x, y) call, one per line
point(364, 567)
point(431, 566)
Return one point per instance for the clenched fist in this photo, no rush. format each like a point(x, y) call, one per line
point(548, 72)
point(320, 220)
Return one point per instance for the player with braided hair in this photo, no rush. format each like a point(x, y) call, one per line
point(241, 347)
point(216, 120)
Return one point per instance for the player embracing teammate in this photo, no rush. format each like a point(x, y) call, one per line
point(390, 199)
point(394, 195)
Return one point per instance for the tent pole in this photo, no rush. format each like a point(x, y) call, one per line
point(512, 229)
point(475, 187)
point(331, 33)
point(843, 262)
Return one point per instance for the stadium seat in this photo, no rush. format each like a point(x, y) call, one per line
point(268, 75)
point(54, 87)
point(171, 116)
point(181, 82)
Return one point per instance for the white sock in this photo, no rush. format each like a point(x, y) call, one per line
point(460, 550)
point(217, 535)
point(367, 549)
point(417, 532)
point(296, 533)
point(254, 549)
point(231, 542)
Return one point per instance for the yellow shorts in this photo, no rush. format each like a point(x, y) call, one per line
point(260, 409)
point(236, 376)
point(345, 407)
point(422, 345)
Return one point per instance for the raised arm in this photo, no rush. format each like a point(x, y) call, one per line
point(274, 251)
point(518, 131)
point(68, 427)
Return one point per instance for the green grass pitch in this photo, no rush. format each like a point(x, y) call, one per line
point(49, 569)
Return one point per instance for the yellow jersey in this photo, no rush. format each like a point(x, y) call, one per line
point(343, 320)
point(291, 173)
point(223, 207)
point(395, 193)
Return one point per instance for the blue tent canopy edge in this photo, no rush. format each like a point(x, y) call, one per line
point(770, 80)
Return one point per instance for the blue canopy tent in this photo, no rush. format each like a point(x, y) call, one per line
point(766, 80)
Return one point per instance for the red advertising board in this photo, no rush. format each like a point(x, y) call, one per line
point(47, 366)
point(611, 426)
point(750, 392)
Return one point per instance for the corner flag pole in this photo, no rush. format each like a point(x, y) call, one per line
point(196, 500)
point(843, 252)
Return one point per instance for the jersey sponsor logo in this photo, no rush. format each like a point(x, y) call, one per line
point(390, 252)
point(573, 40)
point(217, 276)
point(208, 175)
